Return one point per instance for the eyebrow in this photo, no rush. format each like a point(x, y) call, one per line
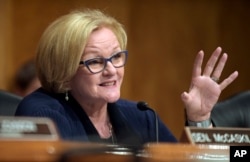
point(96, 50)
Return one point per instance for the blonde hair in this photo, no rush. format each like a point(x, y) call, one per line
point(63, 42)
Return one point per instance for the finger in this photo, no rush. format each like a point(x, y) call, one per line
point(212, 61)
point(197, 67)
point(229, 80)
point(197, 64)
point(219, 68)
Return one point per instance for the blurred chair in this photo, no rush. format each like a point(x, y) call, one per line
point(8, 103)
point(233, 111)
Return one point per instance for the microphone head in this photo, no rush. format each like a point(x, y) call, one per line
point(142, 105)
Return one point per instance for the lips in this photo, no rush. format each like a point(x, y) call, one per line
point(108, 83)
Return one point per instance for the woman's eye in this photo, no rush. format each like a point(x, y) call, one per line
point(117, 56)
point(95, 61)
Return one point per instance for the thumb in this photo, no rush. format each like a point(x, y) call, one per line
point(185, 97)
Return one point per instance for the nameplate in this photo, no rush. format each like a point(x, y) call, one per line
point(27, 128)
point(216, 135)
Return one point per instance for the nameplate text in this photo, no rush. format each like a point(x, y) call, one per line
point(27, 128)
point(217, 135)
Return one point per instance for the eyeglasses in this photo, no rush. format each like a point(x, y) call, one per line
point(98, 64)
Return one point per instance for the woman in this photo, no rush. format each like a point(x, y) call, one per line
point(80, 63)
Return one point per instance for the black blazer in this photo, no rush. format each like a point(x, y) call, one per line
point(233, 111)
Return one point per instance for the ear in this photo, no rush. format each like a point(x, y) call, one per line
point(67, 86)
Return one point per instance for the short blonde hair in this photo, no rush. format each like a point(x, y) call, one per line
point(63, 42)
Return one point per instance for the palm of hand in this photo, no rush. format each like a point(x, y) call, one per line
point(204, 92)
point(203, 95)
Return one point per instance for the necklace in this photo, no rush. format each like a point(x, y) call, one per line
point(111, 132)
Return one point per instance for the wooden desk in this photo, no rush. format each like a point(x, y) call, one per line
point(38, 151)
point(52, 151)
point(26, 139)
point(55, 151)
point(166, 152)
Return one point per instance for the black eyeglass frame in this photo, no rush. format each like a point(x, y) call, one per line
point(105, 61)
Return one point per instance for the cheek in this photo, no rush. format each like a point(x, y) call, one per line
point(86, 81)
point(79, 80)
point(121, 73)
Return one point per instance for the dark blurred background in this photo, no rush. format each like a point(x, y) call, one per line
point(164, 38)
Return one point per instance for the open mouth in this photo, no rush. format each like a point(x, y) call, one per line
point(108, 83)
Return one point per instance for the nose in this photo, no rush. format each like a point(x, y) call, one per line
point(109, 69)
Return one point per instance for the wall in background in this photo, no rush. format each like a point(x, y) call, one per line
point(164, 38)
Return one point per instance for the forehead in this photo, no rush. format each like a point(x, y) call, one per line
point(102, 38)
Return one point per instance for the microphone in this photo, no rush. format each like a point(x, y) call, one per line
point(144, 106)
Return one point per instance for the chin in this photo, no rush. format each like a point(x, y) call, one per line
point(113, 99)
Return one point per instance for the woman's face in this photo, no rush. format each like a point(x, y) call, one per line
point(105, 85)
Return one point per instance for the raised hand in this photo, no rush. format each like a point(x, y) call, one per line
point(205, 87)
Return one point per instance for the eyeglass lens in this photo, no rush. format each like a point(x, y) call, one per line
point(96, 65)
